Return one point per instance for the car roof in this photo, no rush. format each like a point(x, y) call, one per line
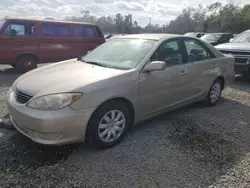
point(50, 21)
point(149, 36)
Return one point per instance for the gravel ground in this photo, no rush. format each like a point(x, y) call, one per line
point(195, 146)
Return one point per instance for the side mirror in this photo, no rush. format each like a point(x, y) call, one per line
point(231, 40)
point(155, 66)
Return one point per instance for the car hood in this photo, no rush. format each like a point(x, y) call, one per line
point(234, 46)
point(69, 76)
point(210, 41)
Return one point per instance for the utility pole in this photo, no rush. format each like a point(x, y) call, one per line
point(150, 18)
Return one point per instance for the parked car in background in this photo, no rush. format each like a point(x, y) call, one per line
point(120, 83)
point(194, 34)
point(25, 43)
point(108, 36)
point(112, 36)
point(217, 38)
point(235, 35)
point(239, 47)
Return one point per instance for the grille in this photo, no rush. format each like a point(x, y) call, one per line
point(22, 97)
point(241, 60)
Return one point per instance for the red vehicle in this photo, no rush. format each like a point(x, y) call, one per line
point(25, 43)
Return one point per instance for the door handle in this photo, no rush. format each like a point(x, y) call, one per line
point(183, 72)
point(214, 65)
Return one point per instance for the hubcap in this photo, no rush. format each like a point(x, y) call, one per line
point(27, 64)
point(215, 92)
point(111, 126)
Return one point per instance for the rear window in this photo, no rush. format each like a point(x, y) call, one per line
point(99, 32)
point(83, 31)
point(55, 30)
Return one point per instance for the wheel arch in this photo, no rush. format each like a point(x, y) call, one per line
point(127, 102)
point(222, 79)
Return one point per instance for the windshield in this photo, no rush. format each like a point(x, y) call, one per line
point(190, 34)
point(2, 22)
point(120, 53)
point(243, 38)
point(211, 37)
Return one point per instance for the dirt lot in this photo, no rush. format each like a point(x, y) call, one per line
point(196, 146)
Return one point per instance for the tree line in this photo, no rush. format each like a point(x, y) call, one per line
point(213, 18)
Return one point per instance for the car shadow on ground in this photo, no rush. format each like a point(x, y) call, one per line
point(20, 150)
point(212, 144)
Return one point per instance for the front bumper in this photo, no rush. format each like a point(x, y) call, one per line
point(49, 127)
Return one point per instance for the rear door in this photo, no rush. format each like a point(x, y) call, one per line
point(202, 67)
point(19, 37)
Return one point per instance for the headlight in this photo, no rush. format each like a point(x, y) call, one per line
point(54, 101)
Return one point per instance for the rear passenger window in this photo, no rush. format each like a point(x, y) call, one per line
point(56, 30)
point(83, 31)
point(196, 51)
point(19, 30)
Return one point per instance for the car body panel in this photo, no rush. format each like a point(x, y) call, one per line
point(234, 46)
point(224, 38)
point(150, 93)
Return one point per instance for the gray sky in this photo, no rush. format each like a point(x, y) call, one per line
point(161, 10)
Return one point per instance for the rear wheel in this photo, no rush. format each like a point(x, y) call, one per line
point(214, 92)
point(108, 125)
point(26, 63)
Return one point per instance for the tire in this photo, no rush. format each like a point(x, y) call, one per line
point(26, 63)
point(214, 93)
point(96, 135)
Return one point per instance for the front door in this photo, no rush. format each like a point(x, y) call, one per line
point(18, 38)
point(162, 89)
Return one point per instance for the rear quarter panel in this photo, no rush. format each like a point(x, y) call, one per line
point(226, 64)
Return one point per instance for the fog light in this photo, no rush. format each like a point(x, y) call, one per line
point(49, 136)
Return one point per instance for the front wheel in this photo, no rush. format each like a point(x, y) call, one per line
point(108, 125)
point(26, 63)
point(214, 93)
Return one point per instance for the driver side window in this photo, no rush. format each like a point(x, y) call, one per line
point(169, 52)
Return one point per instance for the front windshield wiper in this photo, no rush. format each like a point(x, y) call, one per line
point(96, 63)
point(103, 65)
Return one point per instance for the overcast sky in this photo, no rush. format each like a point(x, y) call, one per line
point(161, 11)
